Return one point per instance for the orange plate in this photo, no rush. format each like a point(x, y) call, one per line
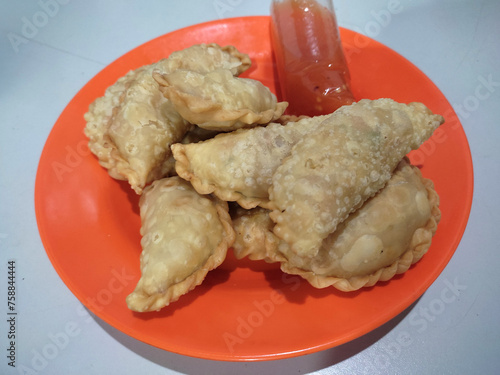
point(244, 310)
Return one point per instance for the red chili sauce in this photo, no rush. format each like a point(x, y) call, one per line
point(312, 70)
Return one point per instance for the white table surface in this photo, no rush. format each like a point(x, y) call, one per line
point(456, 43)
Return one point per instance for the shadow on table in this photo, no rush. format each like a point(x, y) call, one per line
point(297, 365)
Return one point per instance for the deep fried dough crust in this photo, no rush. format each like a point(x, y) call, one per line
point(389, 233)
point(131, 127)
point(217, 100)
point(238, 166)
point(184, 236)
point(330, 173)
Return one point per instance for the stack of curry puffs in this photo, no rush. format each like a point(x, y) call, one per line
point(331, 198)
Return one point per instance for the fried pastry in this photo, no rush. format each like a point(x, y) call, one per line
point(238, 166)
point(285, 119)
point(184, 235)
point(254, 235)
point(131, 128)
point(195, 135)
point(217, 100)
point(330, 173)
point(389, 233)
point(204, 58)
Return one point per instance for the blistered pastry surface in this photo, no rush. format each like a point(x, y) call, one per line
point(239, 166)
point(330, 173)
point(384, 237)
point(218, 100)
point(184, 235)
point(131, 127)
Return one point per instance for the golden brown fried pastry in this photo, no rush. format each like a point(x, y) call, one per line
point(217, 100)
point(204, 58)
point(254, 235)
point(195, 135)
point(238, 166)
point(285, 119)
point(184, 235)
point(330, 173)
point(133, 125)
point(391, 231)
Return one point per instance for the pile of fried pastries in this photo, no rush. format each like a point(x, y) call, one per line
point(219, 166)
